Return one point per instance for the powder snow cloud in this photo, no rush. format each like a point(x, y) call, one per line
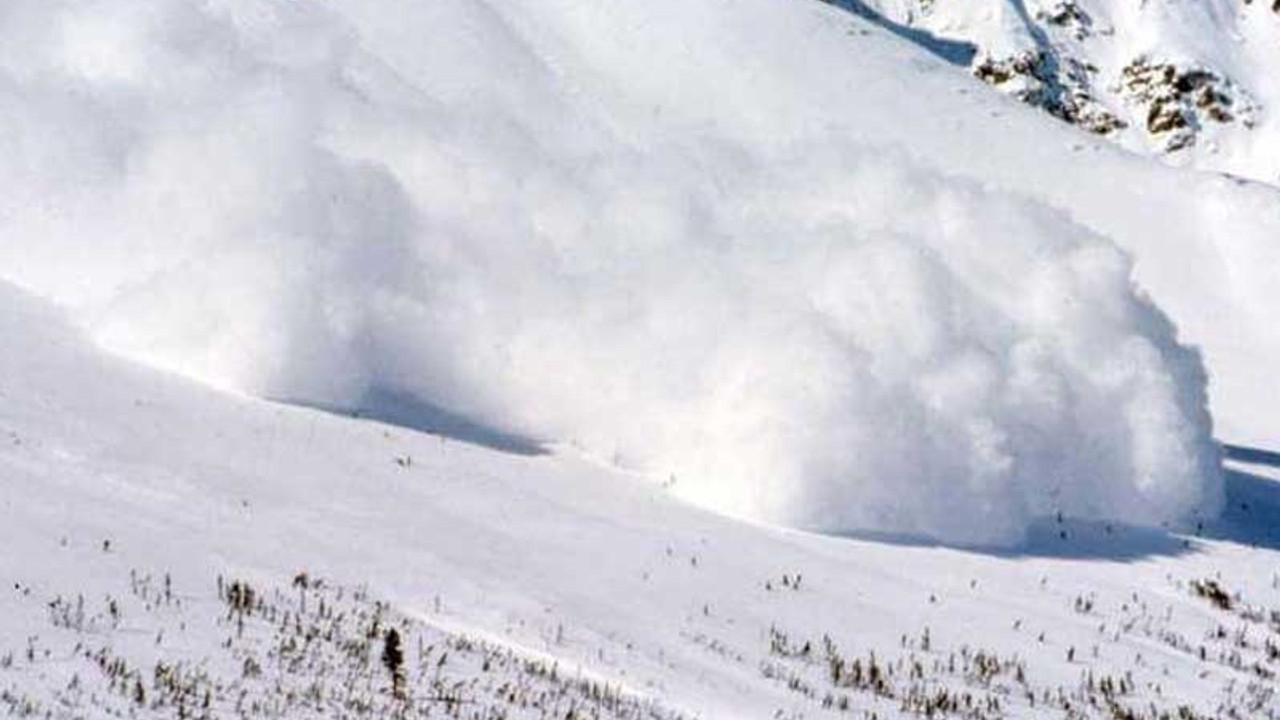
point(811, 331)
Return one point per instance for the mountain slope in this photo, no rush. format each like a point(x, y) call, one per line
point(765, 255)
point(122, 485)
point(797, 291)
point(1193, 83)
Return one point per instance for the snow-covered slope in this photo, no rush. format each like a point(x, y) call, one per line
point(1195, 83)
point(138, 510)
point(665, 232)
point(769, 255)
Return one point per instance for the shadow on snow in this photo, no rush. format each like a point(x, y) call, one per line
point(955, 52)
point(1069, 539)
point(1252, 513)
point(1253, 456)
point(409, 412)
point(1250, 517)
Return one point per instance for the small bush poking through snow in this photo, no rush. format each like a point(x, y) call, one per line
point(297, 660)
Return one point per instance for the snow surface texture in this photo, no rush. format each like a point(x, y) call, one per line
point(1211, 102)
point(133, 502)
point(514, 213)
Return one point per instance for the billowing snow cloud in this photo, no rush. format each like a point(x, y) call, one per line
point(810, 331)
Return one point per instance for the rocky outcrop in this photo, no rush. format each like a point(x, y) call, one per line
point(1063, 88)
point(1191, 79)
point(1177, 102)
point(1068, 15)
point(1275, 5)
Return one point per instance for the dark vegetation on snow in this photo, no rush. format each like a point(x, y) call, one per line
point(311, 650)
point(1241, 643)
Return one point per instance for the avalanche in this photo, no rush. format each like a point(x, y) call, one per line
point(768, 256)
point(171, 549)
point(760, 248)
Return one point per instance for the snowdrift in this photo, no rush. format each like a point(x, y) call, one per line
point(623, 226)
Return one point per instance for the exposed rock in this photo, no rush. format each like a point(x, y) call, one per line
point(1179, 102)
point(1157, 76)
point(1063, 89)
point(1275, 5)
point(1068, 15)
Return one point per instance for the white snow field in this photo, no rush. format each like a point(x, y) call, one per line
point(766, 256)
point(139, 510)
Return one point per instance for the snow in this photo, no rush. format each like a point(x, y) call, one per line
point(117, 482)
point(1092, 42)
point(714, 267)
point(596, 261)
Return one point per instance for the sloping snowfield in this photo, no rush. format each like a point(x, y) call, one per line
point(138, 507)
point(594, 261)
